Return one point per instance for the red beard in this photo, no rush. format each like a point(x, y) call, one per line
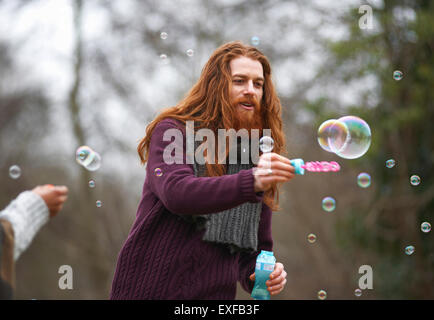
point(247, 119)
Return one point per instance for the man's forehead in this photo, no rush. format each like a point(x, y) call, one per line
point(247, 67)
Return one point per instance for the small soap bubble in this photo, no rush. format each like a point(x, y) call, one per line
point(158, 172)
point(98, 203)
point(255, 40)
point(91, 183)
point(190, 52)
point(397, 75)
point(88, 158)
point(311, 237)
point(163, 35)
point(364, 180)
point(409, 250)
point(14, 172)
point(415, 180)
point(390, 163)
point(322, 295)
point(164, 59)
point(266, 144)
point(328, 204)
point(357, 292)
point(425, 227)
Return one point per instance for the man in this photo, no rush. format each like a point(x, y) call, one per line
point(199, 227)
point(20, 221)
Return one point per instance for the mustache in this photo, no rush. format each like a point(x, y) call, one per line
point(252, 101)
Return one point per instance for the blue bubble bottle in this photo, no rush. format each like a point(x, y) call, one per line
point(264, 266)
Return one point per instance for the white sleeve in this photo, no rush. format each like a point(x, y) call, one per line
point(27, 214)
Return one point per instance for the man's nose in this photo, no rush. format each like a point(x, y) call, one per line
point(249, 89)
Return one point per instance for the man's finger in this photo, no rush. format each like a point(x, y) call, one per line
point(277, 280)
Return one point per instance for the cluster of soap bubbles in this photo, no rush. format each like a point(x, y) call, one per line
point(164, 59)
point(91, 160)
point(348, 137)
point(414, 179)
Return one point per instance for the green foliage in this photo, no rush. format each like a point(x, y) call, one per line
point(401, 124)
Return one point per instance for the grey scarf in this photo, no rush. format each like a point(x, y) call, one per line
point(236, 227)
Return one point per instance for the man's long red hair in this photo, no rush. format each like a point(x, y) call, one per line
point(208, 104)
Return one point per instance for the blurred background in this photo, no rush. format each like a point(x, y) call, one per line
point(95, 73)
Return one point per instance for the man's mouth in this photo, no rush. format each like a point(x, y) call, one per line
point(247, 106)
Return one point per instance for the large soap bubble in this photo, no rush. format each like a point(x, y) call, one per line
point(348, 137)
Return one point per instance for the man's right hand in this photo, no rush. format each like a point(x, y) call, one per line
point(54, 197)
point(272, 168)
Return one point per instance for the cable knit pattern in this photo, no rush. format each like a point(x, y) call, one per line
point(164, 256)
point(27, 214)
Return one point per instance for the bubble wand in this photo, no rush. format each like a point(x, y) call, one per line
point(266, 144)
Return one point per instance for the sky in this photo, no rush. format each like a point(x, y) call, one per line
point(42, 35)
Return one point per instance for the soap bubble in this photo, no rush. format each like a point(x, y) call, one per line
point(390, 163)
point(311, 237)
point(163, 35)
point(357, 292)
point(158, 172)
point(328, 204)
point(338, 136)
point(397, 75)
point(425, 227)
point(255, 40)
point(409, 250)
point(350, 137)
point(164, 59)
point(415, 180)
point(266, 144)
point(88, 158)
point(364, 180)
point(190, 52)
point(322, 295)
point(324, 134)
point(98, 203)
point(14, 172)
point(91, 183)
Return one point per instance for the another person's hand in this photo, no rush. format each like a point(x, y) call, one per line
point(54, 197)
point(272, 168)
point(277, 279)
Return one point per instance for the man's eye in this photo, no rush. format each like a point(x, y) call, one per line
point(238, 81)
point(258, 84)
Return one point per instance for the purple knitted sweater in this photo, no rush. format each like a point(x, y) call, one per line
point(164, 256)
